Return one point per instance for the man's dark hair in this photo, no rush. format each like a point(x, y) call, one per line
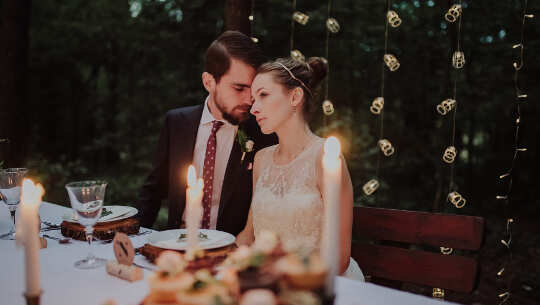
point(231, 44)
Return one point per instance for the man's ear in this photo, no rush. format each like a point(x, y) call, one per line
point(296, 96)
point(209, 82)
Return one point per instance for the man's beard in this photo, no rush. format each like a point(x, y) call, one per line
point(228, 115)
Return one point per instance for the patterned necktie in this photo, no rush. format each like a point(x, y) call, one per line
point(208, 174)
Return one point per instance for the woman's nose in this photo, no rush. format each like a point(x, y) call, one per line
point(255, 108)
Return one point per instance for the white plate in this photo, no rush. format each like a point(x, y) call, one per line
point(169, 239)
point(119, 212)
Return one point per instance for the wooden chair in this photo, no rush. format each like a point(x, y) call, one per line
point(405, 265)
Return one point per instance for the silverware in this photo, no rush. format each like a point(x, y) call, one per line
point(144, 267)
point(50, 225)
point(108, 241)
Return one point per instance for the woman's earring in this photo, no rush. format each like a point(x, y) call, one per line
point(294, 109)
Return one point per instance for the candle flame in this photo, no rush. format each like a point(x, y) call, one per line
point(332, 148)
point(31, 193)
point(191, 176)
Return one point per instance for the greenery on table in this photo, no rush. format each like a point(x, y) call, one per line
point(105, 212)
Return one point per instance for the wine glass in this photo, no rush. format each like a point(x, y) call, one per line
point(86, 199)
point(10, 192)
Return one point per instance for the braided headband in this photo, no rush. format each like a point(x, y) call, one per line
point(294, 77)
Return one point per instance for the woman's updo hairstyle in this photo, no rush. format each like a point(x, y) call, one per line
point(292, 73)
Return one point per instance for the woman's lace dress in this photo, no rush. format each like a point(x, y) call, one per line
point(287, 201)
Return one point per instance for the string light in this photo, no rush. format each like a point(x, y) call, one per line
point(297, 17)
point(520, 98)
point(393, 19)
point(300, 18)
point(458, 61)
point(332, 25)
point(446, 106)
point(251, 19)
point(457, 200)
point(391, 62)
point(446, 251)
point(449, 154)
point(328, 106)
point(454, 14)
point(327, 56)
point(297, 55)
point(386, 147)
point(377, 106)
point(370, 186)
point(438, 293)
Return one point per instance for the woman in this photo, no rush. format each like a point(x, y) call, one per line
point(287, 177)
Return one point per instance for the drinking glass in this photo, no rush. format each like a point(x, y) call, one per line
point(10, 193)
point(86, 199)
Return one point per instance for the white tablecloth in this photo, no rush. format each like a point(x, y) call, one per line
point(63, 284)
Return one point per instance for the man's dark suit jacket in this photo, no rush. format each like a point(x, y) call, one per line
point(174, 155)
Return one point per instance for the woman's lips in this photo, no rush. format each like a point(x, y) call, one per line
point(259, 120)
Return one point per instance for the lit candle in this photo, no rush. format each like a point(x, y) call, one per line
point(194, 210)
point(330, 249)
point(28, 234)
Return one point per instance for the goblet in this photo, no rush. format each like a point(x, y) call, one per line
point(86, 199)
point(10, 193)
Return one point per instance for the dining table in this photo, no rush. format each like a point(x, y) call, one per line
point(62, 283)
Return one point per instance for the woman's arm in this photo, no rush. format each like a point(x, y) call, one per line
point(247, 236)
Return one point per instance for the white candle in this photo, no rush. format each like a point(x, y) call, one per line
point(194, 210)
point(28, 234)
point(330, 248)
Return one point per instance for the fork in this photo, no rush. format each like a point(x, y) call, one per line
point(108, 241)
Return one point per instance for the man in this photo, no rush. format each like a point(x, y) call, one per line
point(207, 137)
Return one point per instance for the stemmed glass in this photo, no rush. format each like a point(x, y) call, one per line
point(10, 192)
point(86, 199)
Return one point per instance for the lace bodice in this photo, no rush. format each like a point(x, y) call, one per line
point(287, 200)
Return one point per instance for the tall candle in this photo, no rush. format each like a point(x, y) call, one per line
point(194, 210)
point(330, 248)
point(28, 234)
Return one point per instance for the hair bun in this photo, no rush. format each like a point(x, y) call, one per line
point(319, 66)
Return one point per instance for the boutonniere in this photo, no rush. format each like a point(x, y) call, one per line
point(246, 144)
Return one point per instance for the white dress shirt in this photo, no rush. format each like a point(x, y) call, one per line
point(224, 143)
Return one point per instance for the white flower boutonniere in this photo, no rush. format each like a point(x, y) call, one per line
point(245, 142)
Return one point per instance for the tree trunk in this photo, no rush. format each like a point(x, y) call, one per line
point(14, 121)
point(237, 16)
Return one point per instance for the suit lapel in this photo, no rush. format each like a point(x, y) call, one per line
point(195, 119)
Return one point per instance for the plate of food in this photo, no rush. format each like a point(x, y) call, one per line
point(177, 239)
point(108, 213)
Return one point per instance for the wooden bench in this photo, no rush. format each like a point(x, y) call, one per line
point(377, 227)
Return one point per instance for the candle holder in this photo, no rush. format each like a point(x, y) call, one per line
point(33, 299)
